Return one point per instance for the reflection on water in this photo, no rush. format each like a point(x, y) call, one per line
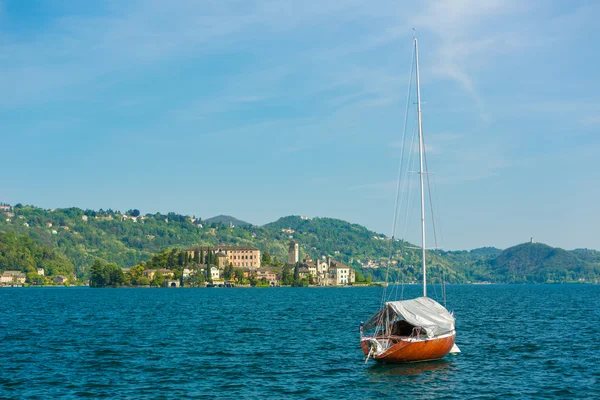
point(443, 366)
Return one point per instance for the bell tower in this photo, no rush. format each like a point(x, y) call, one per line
point(293, 253)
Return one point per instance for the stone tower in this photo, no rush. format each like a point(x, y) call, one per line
point(293, 253)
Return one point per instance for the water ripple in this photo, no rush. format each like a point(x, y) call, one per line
point(529, 341)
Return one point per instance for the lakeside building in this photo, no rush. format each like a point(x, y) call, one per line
point(167, 273)
point(340, 274)
point(303, 272)
point(214, 273)
point(238, 256)
point(326, 272)
point(171, 283)
point(149, 273)
point(60, 279)
point(13, 277)
point(269, 275)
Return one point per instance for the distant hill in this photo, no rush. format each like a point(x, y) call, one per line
point(226, 219)
point(486, 251)
point(537, 262)
point(592, 256)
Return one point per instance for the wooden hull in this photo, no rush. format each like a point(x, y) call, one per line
point(409, 350)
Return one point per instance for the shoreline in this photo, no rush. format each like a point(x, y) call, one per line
point(288, 287)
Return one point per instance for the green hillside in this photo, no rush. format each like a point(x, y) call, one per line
point(591, 256)
point(22, 253)
point(537, 262)
point(78, 237)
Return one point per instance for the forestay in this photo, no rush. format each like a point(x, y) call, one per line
point(420, 312)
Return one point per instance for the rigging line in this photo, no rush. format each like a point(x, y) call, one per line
point(429, 191)
point(437, 207)
point(408, 185)
point(434, 289)
point(405, 198)
point(395, 219)
point(409, 213)
point(402, 295)
point(410, 206)
point(432, 214)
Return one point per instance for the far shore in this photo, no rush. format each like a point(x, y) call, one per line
point(286, 286)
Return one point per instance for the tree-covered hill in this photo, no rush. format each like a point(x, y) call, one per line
point(332, 237)
point(80, 237)
point(121, 238)
point(22, 253)
point(226, 220)
point(588, 255)
point(537, 262)
point(486, 251)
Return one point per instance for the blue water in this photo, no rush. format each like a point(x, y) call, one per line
point(530, 341)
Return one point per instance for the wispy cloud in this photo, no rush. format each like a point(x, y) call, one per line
point(470, 32)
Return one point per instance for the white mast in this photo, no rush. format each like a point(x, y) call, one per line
point(421, 168)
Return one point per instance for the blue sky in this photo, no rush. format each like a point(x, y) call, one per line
point(261, 109)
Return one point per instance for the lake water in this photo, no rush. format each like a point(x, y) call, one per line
point(526, 341)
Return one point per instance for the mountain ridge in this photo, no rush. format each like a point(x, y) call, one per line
point(127, 239)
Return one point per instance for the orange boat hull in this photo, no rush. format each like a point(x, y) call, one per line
point(407, 350)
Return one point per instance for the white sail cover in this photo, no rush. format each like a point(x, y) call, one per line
point(420, 312)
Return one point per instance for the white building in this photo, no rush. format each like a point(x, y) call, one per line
point(12, 277)
point(340, 274)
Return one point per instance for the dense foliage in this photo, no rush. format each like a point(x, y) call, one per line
point(71, 240)
point(22, 253)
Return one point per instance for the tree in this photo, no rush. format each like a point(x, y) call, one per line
point(113, 275)
point(358, 277)
point(143, 281)
point(135, 274)
point(33, 277)
point(97, 275)
point(228, 272)
point(286, 276)
point(239, 275)
point(197, 279)
point(266, 258)
point(135, 212)
point(158, 280)
point(253, 280)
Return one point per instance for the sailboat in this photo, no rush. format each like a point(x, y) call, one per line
point(420, 329)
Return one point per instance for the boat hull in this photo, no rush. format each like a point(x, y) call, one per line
point(410, 350)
